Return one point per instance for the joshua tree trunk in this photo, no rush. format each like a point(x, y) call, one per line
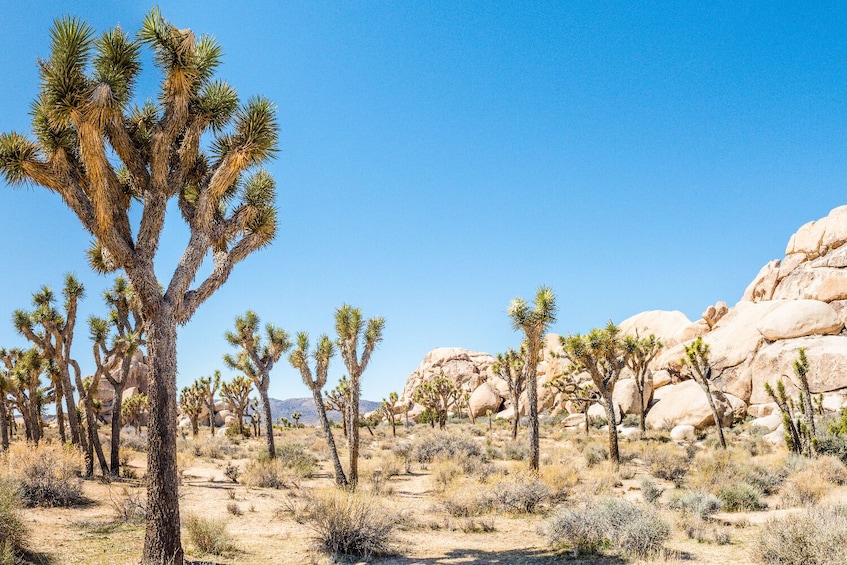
point(642, 413)
point(4, 423)
point(353, 433)
point(60, 414)
point(269, 424)
point(516, 416)
point(340, 477)
point(614, 453)
point(707, 389)
point(161, 541)
point(115, 442)
point(532, 401)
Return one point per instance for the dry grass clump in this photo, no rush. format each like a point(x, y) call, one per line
point(13, 530)
point(133, 439)
point(635, 530)
point(130, 506)
point(468, 500)
point(445, 445)
point(830, 468)
point(348, 523)
point(208, 535)
point(267, 473)
point(46, 474)
point(666, 461)
point(561, 477)
point(520, 493)
point(297, 458)
point(817, 536)
point(805, 488)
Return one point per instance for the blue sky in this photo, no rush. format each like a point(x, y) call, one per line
point(440, 158)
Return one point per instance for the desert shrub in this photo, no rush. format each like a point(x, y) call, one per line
point(594, 453)
point(208, 535)
point(296, 457)
point(46, 474)
point(561, 478)
point(516, 451)
point(817, 536)
point(805, 488)
point(469, 500)
point(232, 472)
point(445, 445)
point(13, 530)
point(520, 493)
point(650, 491)
point(632, 529)
point(267, 473)
point(348, 523)
point(444, 472)
point(234, 509)
point(404, 449)
point(665, 461)
point(740, 497)
point(130, 506)
point(695, 503)
point(834, 445)
point(134, 439)
point(830, 469)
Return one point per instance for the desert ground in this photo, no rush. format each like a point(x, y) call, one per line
point(438, 504)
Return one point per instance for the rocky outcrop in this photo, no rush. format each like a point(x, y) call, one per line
point(137, 382)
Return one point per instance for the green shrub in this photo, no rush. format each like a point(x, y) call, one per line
point(267, 473)
point(516, 451)
point(650, 491)
point(594, 453)
point(445, 445)
point(296, 457)
point(208, 535)
point(666, 461)
point(634, 530)
point(13, 531)
point(740, 497)
point(817, 536)
point(521, 493)
point(696, 503)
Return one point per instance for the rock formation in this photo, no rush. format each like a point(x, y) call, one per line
point(797, 302)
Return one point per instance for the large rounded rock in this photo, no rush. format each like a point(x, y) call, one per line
point(827, 357)
point(799, 318)
point(664, 324)
point(683, 432)
point(626, 395)
point(467, 369)
point(686, 403)
point(483, 399)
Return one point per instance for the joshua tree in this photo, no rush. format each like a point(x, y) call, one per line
point(55, 337)
point(387, 409)
point(353, 331)
point(237, 394)
point(581, 392)
point(801, 369)
point(256, 359)
point(209, 386)
point(437, 395)
point(110, 160)
point(534, 322)
point(114, 362)
point(296, 417)
point(191, 401)
point(338, 399)
point(89, 407)
point(4, 412)
point(255, 417)
point(640, 352)
point(23, 370)
point(601, 353)
point(134, 410)
point(697, 359)
point(322, 355)
point(510, 367)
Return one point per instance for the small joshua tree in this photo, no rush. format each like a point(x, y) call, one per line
point(510, 367)
point(353, 331)
point(387, 409)
point(697, 359)
point(135, 410)
point(801, 369)
point(322, 355)
point(798, 434)
point(209, 386)
point(601, 353)
point(437, 395)
point(640, 352)
point(338, 400)
point(236, 392)
point(191, 401)
point(533, 321)
point(574, 390)
point(256, 359)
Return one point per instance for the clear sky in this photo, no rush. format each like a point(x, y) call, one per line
point(440, 158)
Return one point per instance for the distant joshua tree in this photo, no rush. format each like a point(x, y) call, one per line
point(209, 386)
point(237, 394)
point(697, 359)
point(256, 359)
point(322, 355)
point(640, 352)
point(387, 409)
point(191, 401)
point(533, 321)
point(510, 367)
point(437, 396)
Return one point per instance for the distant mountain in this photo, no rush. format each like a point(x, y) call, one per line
point(306, 406)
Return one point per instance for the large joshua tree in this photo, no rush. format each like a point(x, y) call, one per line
point(322, 354)
point(697, 360)
point(354, 331)
point(111, 159)
point(256, 360)
point(533, 321)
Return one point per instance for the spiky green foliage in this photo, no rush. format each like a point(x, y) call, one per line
point(191, 403)
point(438, 395)
point(640, 353)
point(237, 394)
point(700, 367)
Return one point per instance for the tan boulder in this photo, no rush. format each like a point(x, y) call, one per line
point(695, 330)
point(769, 422)
point(483, 399)
point(686, 403)
point(467, 369)
point(661, 378)
point(573, 420)
point(789, 263)
point(833, 402)
point(798, 318)
point(738, 406)
point(664, 324)
point(683, 432)
point(835, 234)
point(761, 410)
point(763, 286)
point(714, 313)
point(506, 414)
point(598, 410)
point(832, 288)
point(626, 395)
point(807, 239)
point(827, 357)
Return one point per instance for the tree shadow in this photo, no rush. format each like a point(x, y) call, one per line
point(508, 557)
